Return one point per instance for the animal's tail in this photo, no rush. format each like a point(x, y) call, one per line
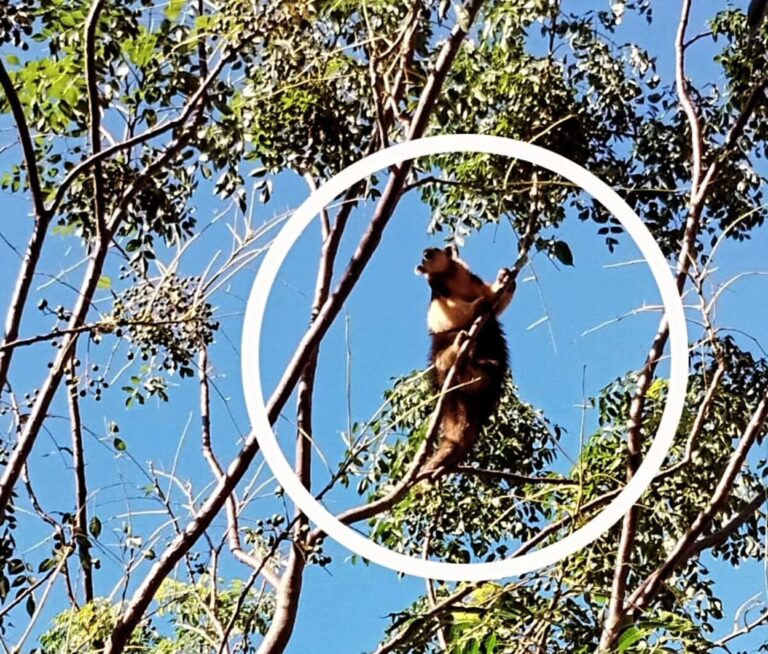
point(459, 431)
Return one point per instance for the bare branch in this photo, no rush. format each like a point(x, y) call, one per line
point(42, 220)
point(761, 620)
point(685, 98)
point(81, 488)
point(686, 545)
point(99, 199)
point(515, 478)
point(233, 534)
point(25, 136)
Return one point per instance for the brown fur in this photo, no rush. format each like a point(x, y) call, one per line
point(458, 297)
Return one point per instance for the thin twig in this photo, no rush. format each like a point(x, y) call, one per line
point(81, 488)
point(761, 620)
point(233, 534)
point(515, 478)
point(94, 111)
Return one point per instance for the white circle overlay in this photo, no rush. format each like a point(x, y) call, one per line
point(254, 318)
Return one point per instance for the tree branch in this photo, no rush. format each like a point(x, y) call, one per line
point(762, 619)
point(686, 545)
point(438, 609)
point(25, 136)
point(102, 327)
point(731, 527)
point(81, 488)
point(42, 220)
point(515, 478)
point(94, 110)
point(289, 591)
point(233, 534)
point(158, 130)
point(685, 98)
point(382, 214)
point(606, 497)
point(554, 527)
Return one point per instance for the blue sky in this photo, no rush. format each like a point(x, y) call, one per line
point(384, 323)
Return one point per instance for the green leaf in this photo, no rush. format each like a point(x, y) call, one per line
point(64, 230)
point(174, 8)
point(30, 606)
point(104, 283)
point(15, 566)
point(45, 565)
point(13, 60)
point(563, 253)
point(94, 526)
point(630, 637)
point(120, 445)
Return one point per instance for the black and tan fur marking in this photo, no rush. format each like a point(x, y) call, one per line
point(458, 297)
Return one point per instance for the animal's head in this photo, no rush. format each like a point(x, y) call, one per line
point(437, 261)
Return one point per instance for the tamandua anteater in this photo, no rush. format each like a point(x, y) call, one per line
point(458, 298)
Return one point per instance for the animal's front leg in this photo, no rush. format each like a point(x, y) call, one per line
point(501, 281)
point(445, 359)
point(480, 306)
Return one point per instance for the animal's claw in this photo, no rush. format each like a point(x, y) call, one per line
point(503, 277)
point(461, 337)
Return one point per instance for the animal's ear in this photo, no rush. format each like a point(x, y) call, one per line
point(420, 270)
point(452, 251)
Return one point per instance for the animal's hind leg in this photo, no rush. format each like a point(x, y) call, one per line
point(458, 435)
